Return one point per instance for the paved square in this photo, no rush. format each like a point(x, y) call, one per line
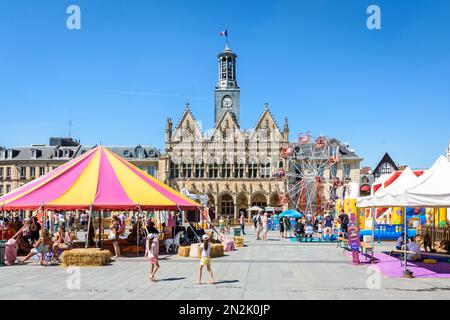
point(272, 269)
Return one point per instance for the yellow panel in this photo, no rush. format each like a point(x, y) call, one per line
point(139, 191)
point(83, 191)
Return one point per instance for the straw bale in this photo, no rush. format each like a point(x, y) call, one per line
point(85, 257)
point(184, 251)
point(239, 241)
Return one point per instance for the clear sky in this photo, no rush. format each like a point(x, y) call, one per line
point(134, 63)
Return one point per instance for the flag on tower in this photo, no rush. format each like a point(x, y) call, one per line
point(224, 33)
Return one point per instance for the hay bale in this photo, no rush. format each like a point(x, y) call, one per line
point(239, 241)
point(184, 251)
point(216, 250)
point(85, 257)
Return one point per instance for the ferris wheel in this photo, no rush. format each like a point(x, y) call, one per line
point(309, 176)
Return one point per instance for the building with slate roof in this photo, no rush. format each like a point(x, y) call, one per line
point(19, 165)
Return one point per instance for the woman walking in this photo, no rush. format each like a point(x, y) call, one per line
point(205, 260)
point(114, 235)
point(242, 223)
point(152, 252)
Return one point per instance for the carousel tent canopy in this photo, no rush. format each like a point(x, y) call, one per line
point(434, 189)
point(98, 178)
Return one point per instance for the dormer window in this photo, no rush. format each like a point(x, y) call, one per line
point(126, 153)
point(58, 153)
point(10, 154)
point(2, 154)
point(140, 152)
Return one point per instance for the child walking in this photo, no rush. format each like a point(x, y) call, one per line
point(205, 260)
point(151, 252)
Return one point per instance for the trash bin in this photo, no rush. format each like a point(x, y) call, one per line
point(237, 232)
point(2, 252)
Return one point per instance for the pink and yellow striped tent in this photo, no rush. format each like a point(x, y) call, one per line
point(98, 178)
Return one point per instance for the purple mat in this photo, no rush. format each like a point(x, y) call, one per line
point(391, 267)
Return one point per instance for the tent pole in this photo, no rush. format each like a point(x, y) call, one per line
point(89, 226)
point(51, 224)
point(405, 224)
point(4, 224)
point(100, 227)
point(138, 231)
point(195, 233)
point(373, 230)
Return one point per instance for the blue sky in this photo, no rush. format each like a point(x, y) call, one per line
point(134, 63)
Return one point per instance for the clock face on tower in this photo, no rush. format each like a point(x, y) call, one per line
point(227, 102)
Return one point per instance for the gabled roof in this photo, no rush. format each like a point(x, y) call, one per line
point(261, 117)
point(187, 113)
point(386, 159)
point(266, 113)
point(225, 113)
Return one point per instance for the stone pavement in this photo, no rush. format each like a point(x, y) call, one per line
point(272, 269)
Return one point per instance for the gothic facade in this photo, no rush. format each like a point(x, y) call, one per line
point(234, 167)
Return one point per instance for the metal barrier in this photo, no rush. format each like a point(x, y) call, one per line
point(437, 234)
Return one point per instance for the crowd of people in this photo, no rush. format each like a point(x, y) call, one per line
point(34, 239)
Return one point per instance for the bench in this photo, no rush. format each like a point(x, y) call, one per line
point(402, 252)
point(341, 240)
point(422, 253)
point(366, 248)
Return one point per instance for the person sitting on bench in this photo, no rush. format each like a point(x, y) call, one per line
point(414, 247)
point(400, 241)
point(63, 241)
point(299, 229)
point(309, 231)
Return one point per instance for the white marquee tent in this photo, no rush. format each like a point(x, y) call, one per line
point(391, 196)
point(434, 189)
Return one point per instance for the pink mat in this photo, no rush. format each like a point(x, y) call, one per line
point(391, 267)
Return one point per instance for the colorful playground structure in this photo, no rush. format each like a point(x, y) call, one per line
point(389, 222)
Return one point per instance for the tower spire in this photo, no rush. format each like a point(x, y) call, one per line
point(227, 93)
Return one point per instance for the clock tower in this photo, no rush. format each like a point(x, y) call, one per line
point(227, 92)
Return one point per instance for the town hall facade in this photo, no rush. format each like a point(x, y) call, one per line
point(234, 167)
